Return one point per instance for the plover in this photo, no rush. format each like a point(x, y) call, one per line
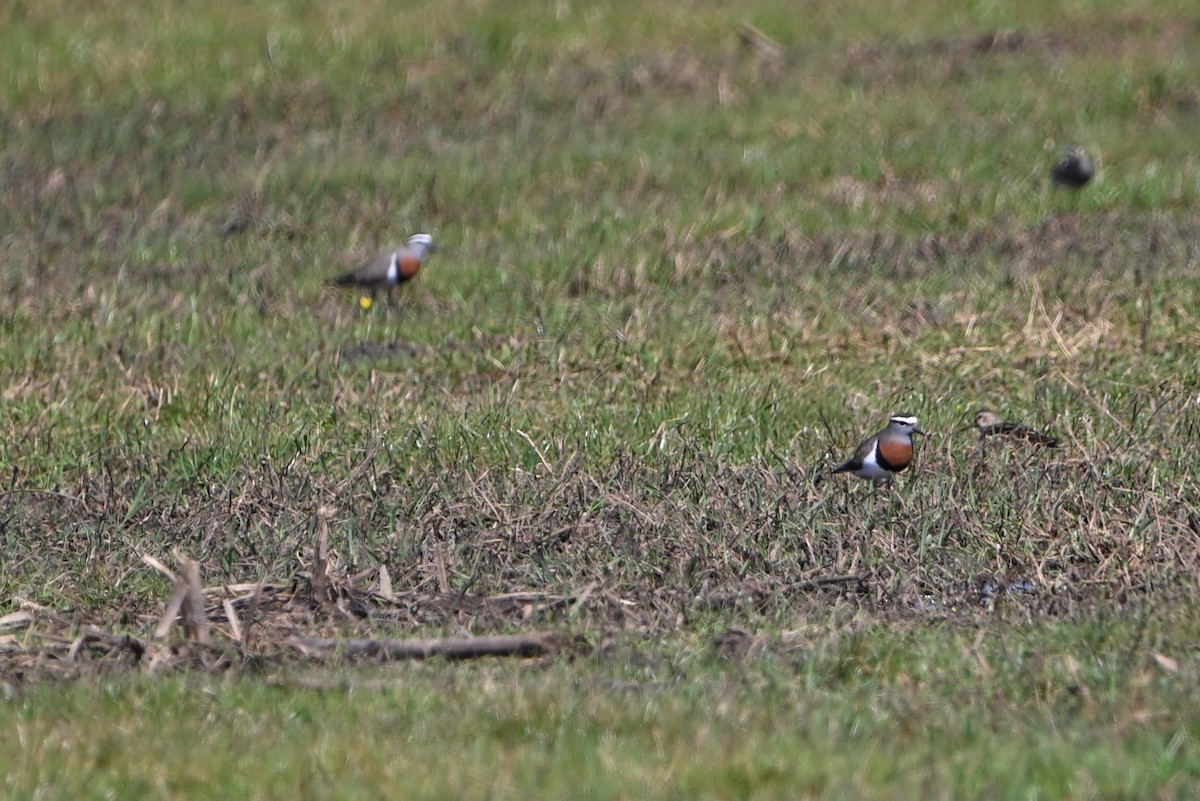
point(991, 424)
point(885, 453)
point(390, 268)
point(1075, 169)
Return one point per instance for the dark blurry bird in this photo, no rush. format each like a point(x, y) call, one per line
point(1075, 169)
point(884, 453)
point(390, 268)
point(991, 424)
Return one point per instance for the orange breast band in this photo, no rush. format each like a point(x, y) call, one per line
point(896, 454)
point(409, 266)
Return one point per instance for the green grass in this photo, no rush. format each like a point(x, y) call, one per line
point(680, 275)
point(1060, 712)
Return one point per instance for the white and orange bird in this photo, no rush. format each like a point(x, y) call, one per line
point(885, 453)
point(390, 268)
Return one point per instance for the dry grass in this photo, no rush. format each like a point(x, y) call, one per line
point(688, 257)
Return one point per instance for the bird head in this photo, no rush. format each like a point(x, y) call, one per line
point(422, 244)
point(986, 417)
point(904, 424)
point(1075, 169)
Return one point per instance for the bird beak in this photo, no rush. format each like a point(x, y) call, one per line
point(918, 431)
point(964, 428)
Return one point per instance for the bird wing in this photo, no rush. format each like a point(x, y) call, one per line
point(1034, 436)
point(855, 462)
point(372, 274)
point(1018, 431)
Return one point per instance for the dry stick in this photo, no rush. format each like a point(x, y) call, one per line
point(195, 620)
point(115, 642)
point(16, 620)
point(73, 651)
point(541, 457)
point(51, 493)
point(812, 584)
point(449, 648)
point(165, 571)
point(439, 561)
point(527, 597)
point(320, 565)
point(178, 595)
point(385, 584)
point(235, 625)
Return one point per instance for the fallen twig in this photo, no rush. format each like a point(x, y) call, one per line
point(449, 647)
point(812, 584)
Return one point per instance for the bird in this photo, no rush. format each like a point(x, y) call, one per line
point(390, 268)
point(1075, 169)
point(884, 453)
point(991, 424)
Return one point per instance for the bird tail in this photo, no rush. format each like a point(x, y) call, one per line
point(845, 468)
point(342, 280)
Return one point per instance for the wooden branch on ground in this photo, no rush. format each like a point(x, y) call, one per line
point(825, 581)
point(448, 648)
point(115, 642)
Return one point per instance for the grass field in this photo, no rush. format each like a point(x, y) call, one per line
point(689, 255)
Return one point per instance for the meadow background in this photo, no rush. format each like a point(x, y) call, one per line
point(690, 254)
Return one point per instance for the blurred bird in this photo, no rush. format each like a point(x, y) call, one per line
point(1075, 169)
point(991, 424)
point(390, 268)
point(884, 453)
